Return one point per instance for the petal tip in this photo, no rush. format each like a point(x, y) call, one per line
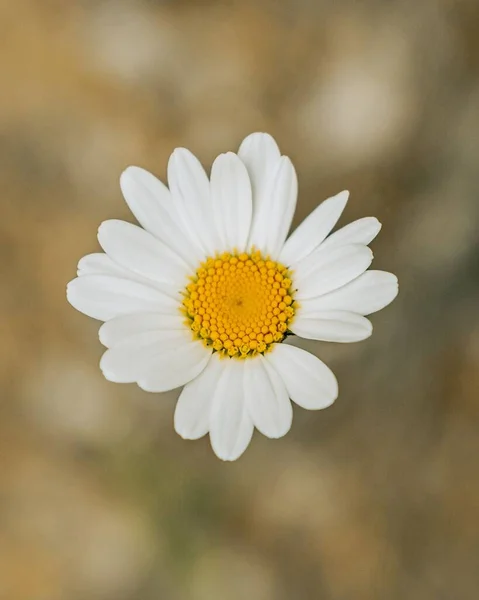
point(68, 289)
point(128, 171)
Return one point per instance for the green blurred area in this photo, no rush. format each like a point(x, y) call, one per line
point(374, 498)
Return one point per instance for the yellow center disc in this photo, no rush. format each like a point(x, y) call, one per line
point(240, 304)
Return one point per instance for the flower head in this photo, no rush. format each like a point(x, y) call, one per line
point(205, 292)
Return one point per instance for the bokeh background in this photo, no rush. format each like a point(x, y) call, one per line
point(374, 498)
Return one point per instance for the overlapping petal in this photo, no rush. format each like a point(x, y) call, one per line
point(142, 253)
point(190, 188)
point(175, 367)
point(363, 231)
point(332, 326)
point(231, 426)
point(268, 402)
point(152, 204)
point(275, 190)
point(232, 201)
point(157, 360)
point(260, 154)
point(313, 230)
point(120, 328)
point(367, 294)
point(272, 219)
point(192, 413)
point(104, 297)
point(309, 382)
point(324, 271)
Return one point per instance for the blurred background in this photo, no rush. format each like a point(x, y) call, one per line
point(374, 498)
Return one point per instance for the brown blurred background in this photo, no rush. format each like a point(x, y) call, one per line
point(375, 498)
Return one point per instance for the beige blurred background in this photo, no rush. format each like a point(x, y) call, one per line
point(375, 498)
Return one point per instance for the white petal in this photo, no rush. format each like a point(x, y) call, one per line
point(267, 398)
point(231, 200)
point(178, 366)
point(363, 231)
point(140, 252)
point(102, 264)
point(117, 330)
point(99, 263)
point(104, 297)
point(309, 382)
point(192, 414)
point(157, 360)
point(324, 271)
point(127, 361)
point(260, 153)
point(332, 326)
point(272, 220)
point(231, 427)
point(190, 188)
point(151, 203)
point(367, 294)
point(314, 229)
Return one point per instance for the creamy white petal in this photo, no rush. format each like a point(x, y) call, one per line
point(324, 271)
point(314, 229)
point(140, 252)
point(260, 154)
point(102, 264)
point(272, 219)
point(190, 188)
point(104, 297)
point(367, 294)
point(176, 367)
point(231, 427)
point(232, 201)
point(151, 203)
point(309, 382)
point(363, 231)
point(118, 329)
point(127, 361)
point(332, 326)
point(99, 263)
point(192, 414)
point(268, 402)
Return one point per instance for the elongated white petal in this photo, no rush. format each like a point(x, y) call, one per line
point(175, 368)
point(102, 264)
point(231, 427)
point(332, 326)
point(192, 414)
point(117, 330)
point(140, 252)
point(260, 154)
point(322, 272)
point(272, 220)
point(129, 359)
point(309, 382)
point(363, 231)
point(151, 203)
point(232, 201)
point(190, 188)
point(99, 263)
point(104, 297)
point(314, 229)
point(268, 402)
point(367, 294)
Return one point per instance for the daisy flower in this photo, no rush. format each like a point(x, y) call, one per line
point(205, 293)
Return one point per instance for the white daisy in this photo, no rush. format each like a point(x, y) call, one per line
point(204, 294)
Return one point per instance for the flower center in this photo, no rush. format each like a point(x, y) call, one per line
point(239, 304)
